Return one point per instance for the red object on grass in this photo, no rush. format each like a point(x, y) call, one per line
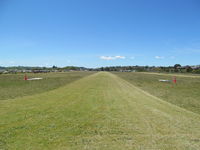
point(174, 79)
point(25, 77)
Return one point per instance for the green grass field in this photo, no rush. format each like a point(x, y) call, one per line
point(185, 94)
point(13, 85)
point(102, 111)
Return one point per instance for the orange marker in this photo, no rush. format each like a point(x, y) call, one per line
point(25, 77)
point(174, 79)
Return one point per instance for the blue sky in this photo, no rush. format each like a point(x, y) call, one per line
point(94, 33)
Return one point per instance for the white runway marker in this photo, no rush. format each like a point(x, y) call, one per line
point(35, 79)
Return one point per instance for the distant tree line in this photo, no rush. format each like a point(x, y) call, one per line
point(177, 68)
point(26, 69)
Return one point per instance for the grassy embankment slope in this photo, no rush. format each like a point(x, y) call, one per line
point(13, 85)
point(101, 111)
point(186, 93)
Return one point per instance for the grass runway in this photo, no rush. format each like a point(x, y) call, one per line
point(99, 111)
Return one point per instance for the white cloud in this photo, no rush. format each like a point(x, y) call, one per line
point(112, 57)
point(159, 57)
point(120, 57)
point(107, 57)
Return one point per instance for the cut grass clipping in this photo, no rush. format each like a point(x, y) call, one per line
point(100, 111)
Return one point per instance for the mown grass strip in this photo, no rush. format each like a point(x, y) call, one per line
point(101, 111)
